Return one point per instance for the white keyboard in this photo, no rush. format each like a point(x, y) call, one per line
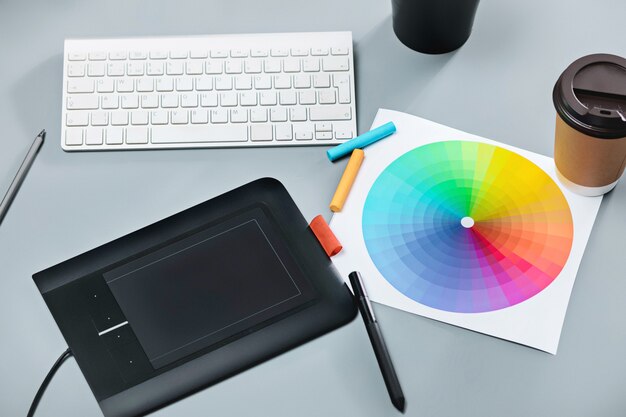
point(208, 91)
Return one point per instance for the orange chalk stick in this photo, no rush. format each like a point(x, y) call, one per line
point(325, 235)
point(347, 179)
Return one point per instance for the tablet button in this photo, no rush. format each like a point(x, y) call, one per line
point(132, 362)
point(119, 337)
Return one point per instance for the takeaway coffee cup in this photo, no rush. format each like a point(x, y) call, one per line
point(433, 26)
point(590, 136)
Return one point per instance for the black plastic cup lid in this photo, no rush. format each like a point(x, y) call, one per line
point(590, 96)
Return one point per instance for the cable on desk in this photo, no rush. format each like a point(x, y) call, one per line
point(46, 381)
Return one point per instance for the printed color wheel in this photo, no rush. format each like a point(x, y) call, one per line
point(467, 226)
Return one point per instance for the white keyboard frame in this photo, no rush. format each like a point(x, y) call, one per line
point(243, 41)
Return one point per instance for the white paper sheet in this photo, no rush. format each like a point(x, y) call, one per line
point(536, 322)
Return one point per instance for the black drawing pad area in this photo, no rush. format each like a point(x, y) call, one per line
point(195, 298)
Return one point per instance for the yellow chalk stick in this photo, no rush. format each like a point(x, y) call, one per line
point(347, 179)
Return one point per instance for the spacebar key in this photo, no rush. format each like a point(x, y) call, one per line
point(199, 134)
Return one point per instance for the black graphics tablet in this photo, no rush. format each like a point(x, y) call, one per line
point(195, 298)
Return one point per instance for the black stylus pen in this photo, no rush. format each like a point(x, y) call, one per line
point(378, 343)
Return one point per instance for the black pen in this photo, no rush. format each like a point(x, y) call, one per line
point(378, 343)
point(21, 174)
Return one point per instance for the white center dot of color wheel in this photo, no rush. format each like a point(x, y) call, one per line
point(467, 222)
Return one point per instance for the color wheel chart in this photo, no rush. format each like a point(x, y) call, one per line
point(467, 227)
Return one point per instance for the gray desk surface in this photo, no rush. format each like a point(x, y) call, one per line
point(498, 86)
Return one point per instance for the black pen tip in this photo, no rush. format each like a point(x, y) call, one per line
point(399, 403)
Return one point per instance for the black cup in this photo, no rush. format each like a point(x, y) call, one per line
point(433, 26)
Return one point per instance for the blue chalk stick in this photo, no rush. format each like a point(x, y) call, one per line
point(361, 141)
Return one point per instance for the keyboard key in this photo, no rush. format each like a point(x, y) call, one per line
point(200, 133)
point(119, 118)
point(219, 116)
point(110, 101)
point(114, 136)
point(319, 51)
point(189, 100)
point(262, 82)
point(228, 99)
point(297, 114)
point(99, 118)
point(93, 136)
point(267, 98)
point(332, 63)
point(73, 137)
point(243, 82)
point(323, 135)
point(149, 101)
point(96, 69)
point(179, 117)
point(291, 65)
point(136, 135)
point(271, 65)
point(321, 80)
point(302, 132)
point(97, 56)
point(233, 66)
point(130, 101)
point(213, 67)
point(174, 68)
point(115, 69)
point(223, 83)
point(145, 85)
point(238, 115)
point(302, 81)
point(299, 52)
point(135, 68)
point(155, 68)
point(77, 118)
point(82, 102)
point(159, 117)
point(339, 51)
point(80, 85)
point(158, 55)
point(279, 52)
point(139, 118)
point(165, 84)
point(138, 55)
point(204, 83)
point(184, 84)
point(125, 85)
point(283, 131)
point(259, 52)
point(199, 116)
point(326, 97)
point(76, 69)
point(282, 81)
point(239, 53)
point(105, 85)
point(248, 98)
point(198, 53)
point(178, 54)
point(195, 67)
point(219, 53)
point(307, 97)
point(342, 82)
point(258, 115)
point(76, 56)
point(323, 127)
point(342, 133)
point(208, 100)
point(117, 55)
point(253, 66)
point(260, 133)
point(288, 97)
point(311, 65)
point(323, 113)
point(169, 101)
point(278, 114)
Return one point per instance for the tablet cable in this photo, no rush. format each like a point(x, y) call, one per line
point(46, 381)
